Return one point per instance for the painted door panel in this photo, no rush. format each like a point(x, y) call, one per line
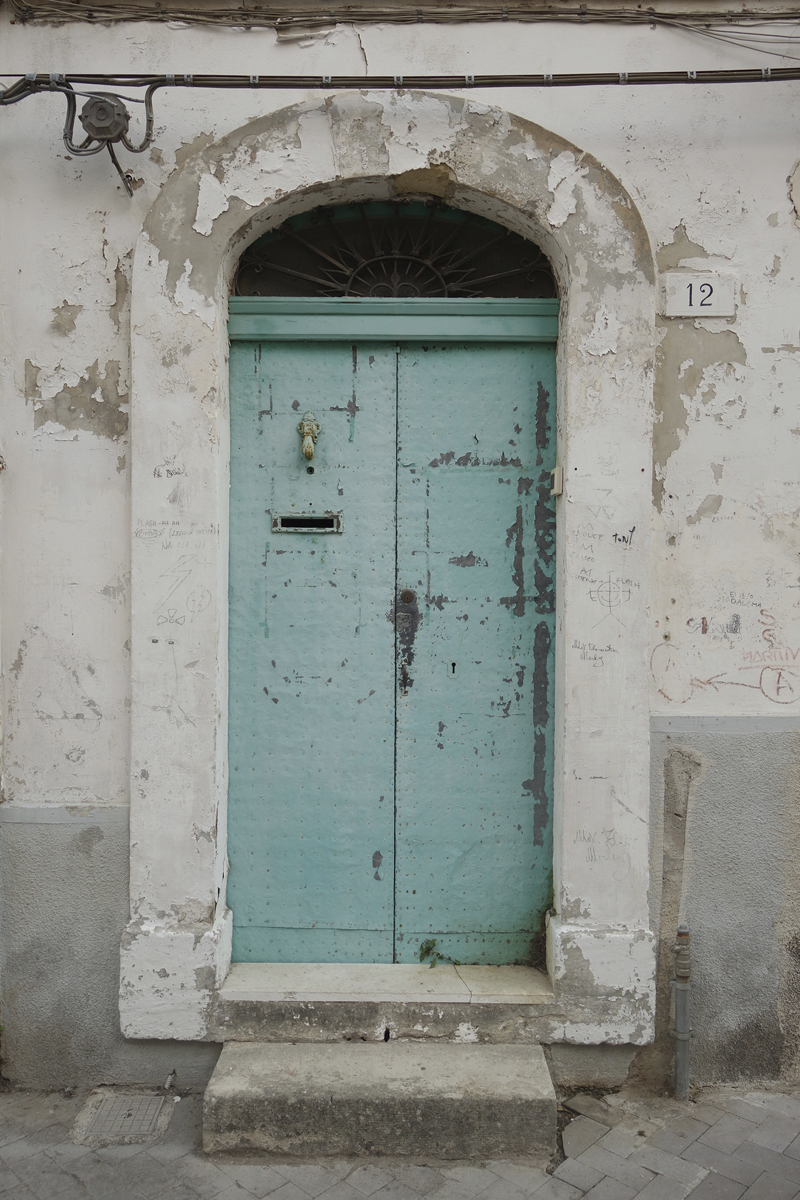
point(473, 839)
point(439, 460)
point(311, 650)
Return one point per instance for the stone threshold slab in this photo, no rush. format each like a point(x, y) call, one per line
point(384, 983)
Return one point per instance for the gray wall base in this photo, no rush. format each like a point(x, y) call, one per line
point(63, 906)
point(739, 892)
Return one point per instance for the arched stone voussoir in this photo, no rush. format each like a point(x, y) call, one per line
point(364, 145)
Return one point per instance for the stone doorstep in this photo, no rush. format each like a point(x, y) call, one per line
point(446, 1100)
point(351, 982)
point(321, 1002)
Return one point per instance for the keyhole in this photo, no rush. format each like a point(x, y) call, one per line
point(452, 668)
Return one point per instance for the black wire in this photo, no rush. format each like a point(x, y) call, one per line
point(126, 181)
point(410, 82)
point(32, 85)
point(742, 42)
point(276, 15)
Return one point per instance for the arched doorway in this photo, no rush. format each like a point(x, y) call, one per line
point(175, 950)
point(392, 589)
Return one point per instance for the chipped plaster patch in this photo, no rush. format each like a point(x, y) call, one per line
point(684, 378)
point(91, 400)
point(561, 181)
point(190, 301)
point(465, 1033)
point(64, 317)
point(211, 202)
point(709, 508)
point(418, 129)
point(249, 174)
point(435, 180)
point(605, 334)
point(121, 289)
point(679, 250)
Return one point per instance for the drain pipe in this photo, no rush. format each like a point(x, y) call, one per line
point(682, 1031)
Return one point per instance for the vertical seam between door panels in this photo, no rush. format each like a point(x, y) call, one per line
point(394, 609)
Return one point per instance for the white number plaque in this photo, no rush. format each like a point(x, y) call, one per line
point(699, 295)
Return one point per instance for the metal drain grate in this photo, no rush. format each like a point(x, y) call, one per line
point(126, 1116)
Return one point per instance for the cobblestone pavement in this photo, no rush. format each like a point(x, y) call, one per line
point(724, 1145)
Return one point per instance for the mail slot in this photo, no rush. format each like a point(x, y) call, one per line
point(307, 523)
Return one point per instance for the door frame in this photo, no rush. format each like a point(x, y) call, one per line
point(175, 950)
point(340, 319)
point(489, 321)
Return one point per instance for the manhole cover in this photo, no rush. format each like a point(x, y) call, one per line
point(128, 1117)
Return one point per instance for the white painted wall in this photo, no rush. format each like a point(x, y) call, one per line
point(713, 161)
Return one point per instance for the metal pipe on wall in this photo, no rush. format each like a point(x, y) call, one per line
point(683, 1030)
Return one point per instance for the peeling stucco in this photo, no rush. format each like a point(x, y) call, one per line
point(436, 180)
point(563, 176)
point(604, 335)
point(707, 508)
point(233, 177)
point(612, 973)
point(121, 289)
point(676, 252)
point(686, 351)
point(64, 317)
point(94, 403)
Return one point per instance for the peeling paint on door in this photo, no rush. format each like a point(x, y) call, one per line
point(474, 736)
point(445, 708)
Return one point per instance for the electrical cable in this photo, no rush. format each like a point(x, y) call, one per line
point(244, 14)
point(33, 84)
point(744, 42)
point(106, 128)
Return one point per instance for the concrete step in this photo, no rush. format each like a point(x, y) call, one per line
point(396, 1098)
point(330, 1002)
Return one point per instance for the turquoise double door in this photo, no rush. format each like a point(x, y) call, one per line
point(391, 639)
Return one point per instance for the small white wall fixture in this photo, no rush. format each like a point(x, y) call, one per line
point(368, 146)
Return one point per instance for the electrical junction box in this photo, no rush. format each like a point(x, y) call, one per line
point(696, 295)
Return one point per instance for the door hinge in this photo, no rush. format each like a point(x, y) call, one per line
point(557, 477)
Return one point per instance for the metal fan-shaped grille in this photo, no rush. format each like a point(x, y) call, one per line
point(393, 250)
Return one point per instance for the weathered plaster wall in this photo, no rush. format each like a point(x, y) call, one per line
point(708, 171)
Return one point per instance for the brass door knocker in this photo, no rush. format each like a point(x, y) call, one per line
point(308, 429)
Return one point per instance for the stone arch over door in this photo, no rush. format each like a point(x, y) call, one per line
point(372, 146)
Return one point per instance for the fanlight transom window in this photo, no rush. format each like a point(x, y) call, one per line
point(393, 250)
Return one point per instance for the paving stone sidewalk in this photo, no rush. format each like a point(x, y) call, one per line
point(726, 1144)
